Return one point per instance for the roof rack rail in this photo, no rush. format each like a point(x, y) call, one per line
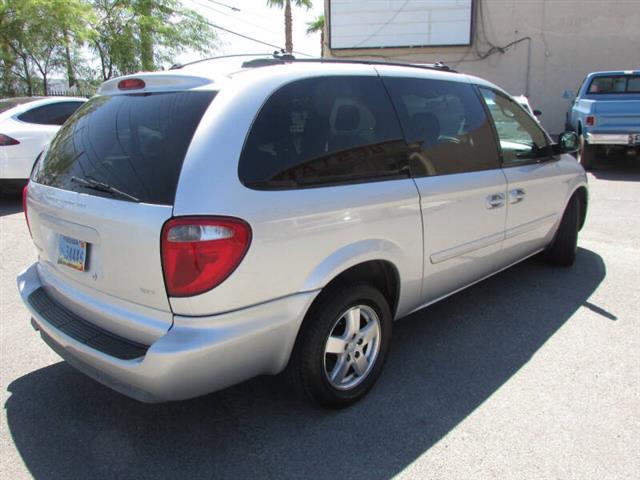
point(428, 66)
point(176, 66)
point(280, 57)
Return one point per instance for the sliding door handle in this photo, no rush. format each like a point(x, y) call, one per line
point(516, 195)
point(495, 200)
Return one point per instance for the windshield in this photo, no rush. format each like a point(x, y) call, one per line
point(615, 84)
point(129, 147)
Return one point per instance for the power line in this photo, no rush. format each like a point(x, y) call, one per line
point(196, 2)
point(279, 47)
point(393, 17)
point(235, 9)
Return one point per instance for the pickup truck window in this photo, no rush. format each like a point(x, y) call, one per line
point(521, 139)
point(615, 84)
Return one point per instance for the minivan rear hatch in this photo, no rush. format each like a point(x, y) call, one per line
point(99, 198)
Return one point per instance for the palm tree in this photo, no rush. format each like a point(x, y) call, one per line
point(288, 43)
point(317, 25)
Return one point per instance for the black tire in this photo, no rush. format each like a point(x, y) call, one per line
point(306, 369)
point(586, 154)
point(563, 248)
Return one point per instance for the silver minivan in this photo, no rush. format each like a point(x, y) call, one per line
point(198, 227)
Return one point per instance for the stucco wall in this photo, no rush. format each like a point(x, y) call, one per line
point(569, 38)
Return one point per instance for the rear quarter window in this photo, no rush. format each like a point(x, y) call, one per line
point(52, 114)
point(134, 143)
point(324, 131)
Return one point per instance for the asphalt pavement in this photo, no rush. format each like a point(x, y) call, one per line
point(534, 373)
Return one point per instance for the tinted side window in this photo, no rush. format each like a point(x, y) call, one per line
point(54, 114)
point(326, 130)
point(521, 139)
point(445, 126)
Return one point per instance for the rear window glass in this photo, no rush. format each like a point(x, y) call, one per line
point(135, 144)
point(9, 103)
point(615, 84)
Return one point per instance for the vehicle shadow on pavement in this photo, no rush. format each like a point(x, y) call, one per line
point(617, 168)
point(10, 205)
point(445, 362)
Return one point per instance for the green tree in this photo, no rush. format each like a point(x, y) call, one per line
point(315, 26)
point(36, 38)
point(286, 4)
point(131, 35)
point(113, 38)
point(74, 20)
point(10, 29)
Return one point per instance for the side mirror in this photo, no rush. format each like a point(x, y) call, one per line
point(568, 94)
point(567, 143)
point(537, 113)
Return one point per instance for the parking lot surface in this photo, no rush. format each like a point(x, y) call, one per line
point(534, 373)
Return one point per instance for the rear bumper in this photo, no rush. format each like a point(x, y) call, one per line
point(196, 356)
point(622, 139)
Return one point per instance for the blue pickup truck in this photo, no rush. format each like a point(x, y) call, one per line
point(606, 114)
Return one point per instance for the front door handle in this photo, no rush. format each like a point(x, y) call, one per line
point(495, 200)
point(516, 195)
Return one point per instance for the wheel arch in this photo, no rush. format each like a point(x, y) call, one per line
point(368, 261)
point(381, 274)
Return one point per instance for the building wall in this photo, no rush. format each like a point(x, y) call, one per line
point(568, 39)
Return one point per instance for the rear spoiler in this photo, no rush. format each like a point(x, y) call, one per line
point(146, 82)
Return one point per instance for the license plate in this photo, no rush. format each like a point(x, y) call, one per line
point(634, 139)
point(72, 253)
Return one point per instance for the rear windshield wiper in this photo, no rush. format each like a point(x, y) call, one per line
point(103, 187)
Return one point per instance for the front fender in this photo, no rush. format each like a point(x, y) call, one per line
point(575, 184)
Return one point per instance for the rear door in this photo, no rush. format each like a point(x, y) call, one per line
point(456, 168)
point(537, 186)
point(98, 201)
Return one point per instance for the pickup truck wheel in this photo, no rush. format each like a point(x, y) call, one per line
point(562, 250)
point(342, 346)
point(586, 154)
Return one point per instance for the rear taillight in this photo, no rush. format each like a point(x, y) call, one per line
point(25, 192)
point(199, 253)
point(590, 120)
point(6, 140)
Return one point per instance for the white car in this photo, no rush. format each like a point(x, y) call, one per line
point(524, 103)
point(27, 124)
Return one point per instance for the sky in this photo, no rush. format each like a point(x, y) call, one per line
point(255, 19)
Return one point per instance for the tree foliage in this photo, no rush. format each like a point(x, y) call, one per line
point(132, 35)
point(93, 38)
point(36, 37)
point(315, 26)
